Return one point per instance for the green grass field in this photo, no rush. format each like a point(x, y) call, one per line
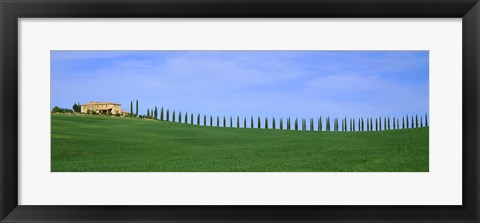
point(87, 143)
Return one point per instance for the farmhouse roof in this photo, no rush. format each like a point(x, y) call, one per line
point(100, 103)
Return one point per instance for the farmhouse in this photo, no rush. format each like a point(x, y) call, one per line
point(103, 108)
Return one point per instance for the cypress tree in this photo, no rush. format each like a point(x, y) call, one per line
point(238, 121)
point(353, 124)
point(168, 115)
point(204, 120)
point(161, 114)
point(288, 123)
point(244, 122)
point(320, 124)
point(211, 121)
point(281, 123)
point(336, 124)
point(413, 123)
point(273, 122)
point(363, 124)
point(148, 113)
point(403, 122)
point(131, 107)
point(231, 122)
point(224, 122)
point(421, 121)
point(360, 121)
point(191, 119)
point(388, 123)
point(370, 127)
point(173, 116)
point(426, 120)
point(136, 109)
point(296, 124)
point(344, 124)
point(407, 122)
point(327, 124)
point(380, 123)
point(368, 124)
point(416, 121)
point(198, 119)
point(186, 117)
point(350, 124)
point(218, 121)
point(179, 117)
point(358, 125)
point(259, 125)
point(266, 123)
point(251, 122)
point(385, 123)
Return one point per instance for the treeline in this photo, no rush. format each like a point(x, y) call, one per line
point(57, 109)
point(312, 124)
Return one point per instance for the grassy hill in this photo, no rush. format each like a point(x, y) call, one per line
point(86, 143)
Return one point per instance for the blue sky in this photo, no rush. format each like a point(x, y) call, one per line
point(299, 84)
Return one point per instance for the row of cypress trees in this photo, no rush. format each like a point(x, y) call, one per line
point(343, 125)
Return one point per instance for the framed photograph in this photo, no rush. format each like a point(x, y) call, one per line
point(228, 111)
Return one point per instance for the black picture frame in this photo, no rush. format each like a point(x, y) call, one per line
point(12, 10)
